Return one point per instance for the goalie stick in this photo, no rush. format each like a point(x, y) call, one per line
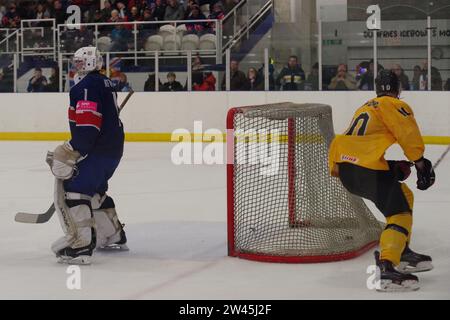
point(25, 217)
point(441, 158)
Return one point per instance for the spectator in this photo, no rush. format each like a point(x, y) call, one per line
point(217, 13)
point(447, 85)
point(41, 13)
point(238, 80)
point(53, 81)
point(188, 9)
point(174, 11)
point(197, 71)
point(404, 80)
point(367, 79)
point(122, 10)
point(436, 79)
point(114, 16)
point(119, 36)
point(208, 83)
point(255, 81)
point(38, 82)
point(417, 73)
point(172, 84)
point(4, 85)
point(292, 76)
point(106, 11)
point(58, 13)
point(97, 18)
point(159, 10)
point(11, 19)
point(196, 14)
point(134, 14)
point(123, 85)
point(312, 82)
point(343, 80)
point(150, 83)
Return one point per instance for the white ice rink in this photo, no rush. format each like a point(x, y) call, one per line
point(176, 225)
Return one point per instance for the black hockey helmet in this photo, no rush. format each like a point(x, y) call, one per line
point(387, 82)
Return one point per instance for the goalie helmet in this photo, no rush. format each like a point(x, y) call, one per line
point(387, 82)
point(87, 59)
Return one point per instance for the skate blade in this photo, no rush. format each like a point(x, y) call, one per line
point(423, 266)
point(405, 286)
point(80, 260)
point(114, 247)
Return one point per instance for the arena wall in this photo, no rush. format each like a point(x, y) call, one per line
point(154, 116)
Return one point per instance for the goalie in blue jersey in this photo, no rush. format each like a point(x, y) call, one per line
point(83, 165)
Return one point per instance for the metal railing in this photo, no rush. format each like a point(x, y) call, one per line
point(173, 35)
point(239, 21)
point(31, 25)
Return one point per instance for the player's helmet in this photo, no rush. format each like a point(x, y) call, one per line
point(87, 59)
point(387, 82)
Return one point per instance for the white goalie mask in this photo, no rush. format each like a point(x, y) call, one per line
point(87, 59)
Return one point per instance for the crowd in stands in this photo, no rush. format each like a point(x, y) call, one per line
point(12, 12)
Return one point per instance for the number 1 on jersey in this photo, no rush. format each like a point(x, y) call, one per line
point(364, 117)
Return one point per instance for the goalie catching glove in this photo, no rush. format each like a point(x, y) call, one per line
point(63, 161)
point(425, 174)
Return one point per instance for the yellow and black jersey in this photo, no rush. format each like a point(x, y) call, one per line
point(377, 125)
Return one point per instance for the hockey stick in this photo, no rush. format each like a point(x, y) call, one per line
point(441, 158)
point(25, 217)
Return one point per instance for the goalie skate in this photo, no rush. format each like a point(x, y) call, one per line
point(80, 260)
point(392, 280)
point(411, 262)
point(120, 245)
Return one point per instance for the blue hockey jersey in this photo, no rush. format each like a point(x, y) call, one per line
point(94, 118)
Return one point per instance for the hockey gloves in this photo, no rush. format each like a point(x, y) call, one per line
point(63, 161)
point(425, 174)
point(400, 169)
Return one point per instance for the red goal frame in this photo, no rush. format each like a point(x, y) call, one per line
point(232, 252)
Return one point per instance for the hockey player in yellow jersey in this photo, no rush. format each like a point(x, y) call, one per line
point(357, 158)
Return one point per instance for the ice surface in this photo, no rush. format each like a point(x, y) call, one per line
point(176, 224)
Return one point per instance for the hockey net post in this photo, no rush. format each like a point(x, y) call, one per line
point(298, 213)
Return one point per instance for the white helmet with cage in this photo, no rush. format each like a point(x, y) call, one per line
point(87, 59)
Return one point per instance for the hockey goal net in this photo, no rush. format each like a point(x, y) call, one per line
point(283, 205)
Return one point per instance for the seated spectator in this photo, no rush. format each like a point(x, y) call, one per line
point(188, 7)
point(53, 81)
point(238, 79)
point(197, 70)
point(134, 14)
point(196, 27)
point(38, 82)
point(114, 16)
point(255, 81)
point(447, 85)
point(97, 18)
point(367, 79)
point(216, 13)
point(11, 19)
point(172, 84)
point(292, 76)
point(208, 83)
point(4, 87)
point(159, 10)
point(404, 80)
point(150, 83)
point(123, 85)
point(58, 13)
point(343, 80)
point(436, 79)
point(174, 11)
point(119, 37)
point(312, 82)
point(122, 10)
point(417, 73)
point(106, 11)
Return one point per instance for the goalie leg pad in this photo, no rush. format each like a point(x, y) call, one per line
point(109, 229)
point(75, 214)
